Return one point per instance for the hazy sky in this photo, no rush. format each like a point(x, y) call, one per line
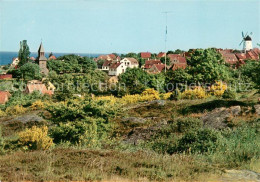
point(105, 26)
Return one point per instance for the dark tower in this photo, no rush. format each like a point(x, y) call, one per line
point(42, 60)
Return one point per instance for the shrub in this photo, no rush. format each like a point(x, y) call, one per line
point(229, 94)
point(15, 110)
point(84, 133)
point(197, 93)
point(165, 96)
point(37, 105)
point(200, 141)
point(2, 113)
point(187, 124)
point(218, 88)
point(153, 94)
point(1, 141)
point(35, 138)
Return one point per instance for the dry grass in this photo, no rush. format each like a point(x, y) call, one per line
point(69, 164)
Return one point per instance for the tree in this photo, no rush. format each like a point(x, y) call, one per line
point(168, 62)
point(178, 51)
point(30, 71)
point(100, 63)
point(135, 80)
point(208, 66)
point(24, 53)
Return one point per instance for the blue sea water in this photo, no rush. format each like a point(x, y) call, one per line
point(7, 57)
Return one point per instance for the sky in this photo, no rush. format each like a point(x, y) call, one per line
point(121, 26)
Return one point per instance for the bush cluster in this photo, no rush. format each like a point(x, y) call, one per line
point(35, 138)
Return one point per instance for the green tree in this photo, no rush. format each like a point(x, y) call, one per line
point(100, 63)
point(208, 66)
point(135, 80)
point(168, 62)
point(30, 71)
point(24, 53)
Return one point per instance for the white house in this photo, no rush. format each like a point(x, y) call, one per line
point(130, 62)
point(106, 65)
point(116, 69)
point(15, 62)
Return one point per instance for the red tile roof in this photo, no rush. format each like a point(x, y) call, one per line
point(177, 57)
point(112, 56)
point(229, 58)
point(252, 55)
point(160, 67)
point(4, 95)
point(161, 54)
point(150, 63)
point(145, 55)
point(52, 57)
point(107, 63)
point(115, 65)
point(31, 87)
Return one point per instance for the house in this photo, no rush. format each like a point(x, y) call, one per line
point(146, 55)
point(149, 63)
point(108, 57)
point(177, 61)
point(4, 96)
point(15, 62)
point(36, 85)
point(6, 76)
point(156, 68)
point(229, 58)
point(106, 65)
point(116, 69)
point(130, 62)
point(32, 58)
point(42, 60)
point(252, 54)
point(161, 54)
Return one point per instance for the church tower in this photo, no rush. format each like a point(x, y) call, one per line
point(42, 60)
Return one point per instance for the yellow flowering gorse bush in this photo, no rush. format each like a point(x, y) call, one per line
point(15, 110)
point(218, 88)
point(35, 138)
point(37, 105)
point(196, 93)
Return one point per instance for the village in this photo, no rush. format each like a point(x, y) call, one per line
point(114, 65)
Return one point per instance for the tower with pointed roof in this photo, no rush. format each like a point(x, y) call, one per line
point(42, 60)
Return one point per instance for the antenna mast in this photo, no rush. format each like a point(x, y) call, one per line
point(165, 41)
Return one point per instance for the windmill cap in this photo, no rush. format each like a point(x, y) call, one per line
point(248, 38)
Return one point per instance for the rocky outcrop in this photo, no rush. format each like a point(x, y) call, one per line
point(240, 175)
point(218, 117)
point(257, 109)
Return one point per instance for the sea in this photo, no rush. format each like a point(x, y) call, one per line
point(7, 57)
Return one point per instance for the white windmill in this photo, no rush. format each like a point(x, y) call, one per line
point(247, 42)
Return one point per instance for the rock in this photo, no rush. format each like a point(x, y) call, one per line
point(134, 120)
point(26, 118)
point(240, 175)
point(140, 134)
point(257, 109)
point(218, 117)
point(158, 102)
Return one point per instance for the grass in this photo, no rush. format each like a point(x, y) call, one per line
point(148, 161)
point(66, 164)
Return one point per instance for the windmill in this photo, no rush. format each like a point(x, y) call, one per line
point(247, 41)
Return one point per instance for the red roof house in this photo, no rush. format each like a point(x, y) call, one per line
point(156, 68)
point(229, 58)
point(161, 54)
point(4, 96)
point(146, 55)
point(150, 63)
point(36, 85)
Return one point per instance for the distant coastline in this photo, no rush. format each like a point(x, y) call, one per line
point(7, 57)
